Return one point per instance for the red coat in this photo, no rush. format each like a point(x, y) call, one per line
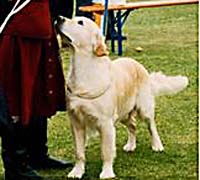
point(32, 21)
point(30, 66)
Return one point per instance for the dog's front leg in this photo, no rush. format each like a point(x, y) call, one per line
point(108, 149)
point(79, 139)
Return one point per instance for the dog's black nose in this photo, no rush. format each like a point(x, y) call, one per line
point(60, 19)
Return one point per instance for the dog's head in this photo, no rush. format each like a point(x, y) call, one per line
point(82, 34)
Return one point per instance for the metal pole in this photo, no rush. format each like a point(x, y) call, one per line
point(105, 17)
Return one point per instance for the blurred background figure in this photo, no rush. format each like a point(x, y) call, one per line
point(83, 3)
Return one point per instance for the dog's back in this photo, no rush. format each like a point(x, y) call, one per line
point(129, 76)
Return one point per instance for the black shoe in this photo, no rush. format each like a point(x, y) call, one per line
point(27, 173)
point(50, 163)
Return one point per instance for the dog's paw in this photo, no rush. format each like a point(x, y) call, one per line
point(107, 174)
point(129, 147)
point(157, 146)
point(76, 172)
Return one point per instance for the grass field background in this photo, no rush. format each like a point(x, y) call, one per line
point(169, 38)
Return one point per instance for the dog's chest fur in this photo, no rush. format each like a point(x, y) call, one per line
point(116, 103)
point(83, 110)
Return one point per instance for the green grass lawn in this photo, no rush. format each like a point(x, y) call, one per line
point(169, 38)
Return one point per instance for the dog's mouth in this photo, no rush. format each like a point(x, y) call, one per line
point(67, 39)
point(58, 25)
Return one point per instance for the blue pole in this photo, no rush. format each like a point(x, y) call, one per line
point(119, 27)
point(105, 17)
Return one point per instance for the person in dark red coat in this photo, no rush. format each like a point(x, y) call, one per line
point(32, 79)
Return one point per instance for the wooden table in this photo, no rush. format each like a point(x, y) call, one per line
point(117, 20)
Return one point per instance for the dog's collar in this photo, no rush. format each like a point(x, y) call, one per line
point(70, 92)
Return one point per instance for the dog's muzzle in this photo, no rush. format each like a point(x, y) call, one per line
point(58, 23)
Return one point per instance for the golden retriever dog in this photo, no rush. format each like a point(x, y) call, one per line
point(101, 92)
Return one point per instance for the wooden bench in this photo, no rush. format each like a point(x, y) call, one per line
point(116, 20)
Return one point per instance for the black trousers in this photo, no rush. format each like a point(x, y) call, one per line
point(4, 119)
point(12, 150)
point(36, 138)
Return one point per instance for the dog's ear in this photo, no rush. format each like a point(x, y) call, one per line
point(99, 46)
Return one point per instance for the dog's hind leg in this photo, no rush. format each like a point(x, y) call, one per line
point(108, 149)
point(156, 143)
point(79, 138)
point(146, 106)
point(130, 123)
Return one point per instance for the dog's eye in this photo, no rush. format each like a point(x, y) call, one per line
point(80, 22)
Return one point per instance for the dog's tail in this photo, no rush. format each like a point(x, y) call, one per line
point(167, 85)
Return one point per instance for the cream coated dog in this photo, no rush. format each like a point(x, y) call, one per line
point(101, 92)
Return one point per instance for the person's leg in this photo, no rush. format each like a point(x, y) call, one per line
point(14, 155)
point(37, 146)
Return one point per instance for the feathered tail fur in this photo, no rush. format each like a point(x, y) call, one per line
point(166, 85)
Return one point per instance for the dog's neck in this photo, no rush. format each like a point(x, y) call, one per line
point(89, 76)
